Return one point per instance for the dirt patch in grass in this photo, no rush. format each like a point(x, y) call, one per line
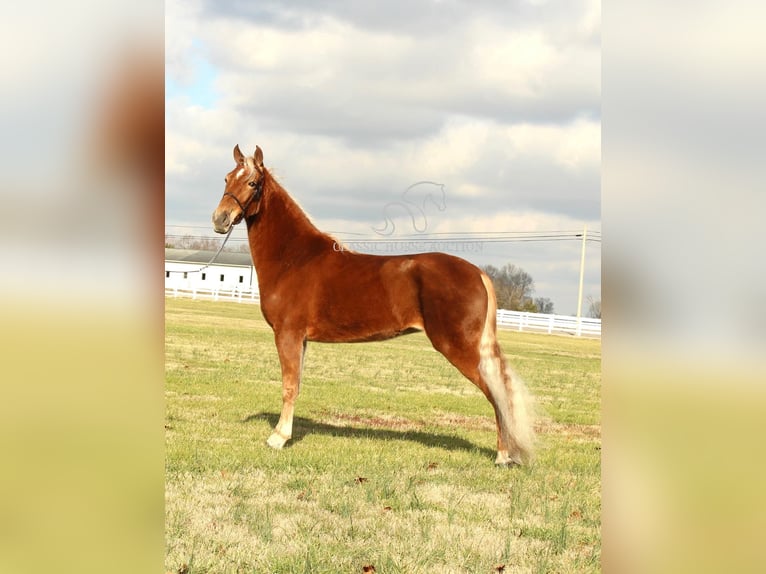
point(451, 420)
point(570, 430)
point(379, 421)
point(391, 422)
point(467, 422)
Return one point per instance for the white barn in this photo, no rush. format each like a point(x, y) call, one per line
point(228, 271)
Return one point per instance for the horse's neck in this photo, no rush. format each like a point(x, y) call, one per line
point(282, 234)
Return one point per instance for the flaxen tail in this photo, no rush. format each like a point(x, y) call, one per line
point(522, 416)
point(512, 400)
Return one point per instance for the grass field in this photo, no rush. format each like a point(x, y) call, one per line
point(391, 462)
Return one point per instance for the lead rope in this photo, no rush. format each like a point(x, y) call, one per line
point(209, 263)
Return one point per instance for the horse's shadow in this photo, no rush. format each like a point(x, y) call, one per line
point(303, 427)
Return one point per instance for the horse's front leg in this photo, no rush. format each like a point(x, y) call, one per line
point(291, 347)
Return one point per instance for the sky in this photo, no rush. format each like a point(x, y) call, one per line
point(496, 105)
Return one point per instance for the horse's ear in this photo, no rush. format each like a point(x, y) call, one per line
point(239, 157)
point(258, 157)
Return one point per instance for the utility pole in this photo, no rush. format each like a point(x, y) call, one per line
point(582, 274)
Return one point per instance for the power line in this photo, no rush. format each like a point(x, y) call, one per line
point(423, 238)
point(428, 234)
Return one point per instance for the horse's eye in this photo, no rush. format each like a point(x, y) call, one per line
point(251, 184)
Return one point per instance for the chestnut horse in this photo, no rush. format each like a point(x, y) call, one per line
point(313, 291)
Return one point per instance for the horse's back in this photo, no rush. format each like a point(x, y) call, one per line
point(366, 297)
point(403, 276)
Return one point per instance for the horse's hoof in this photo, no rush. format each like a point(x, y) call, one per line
point(503, 459)
point(276, 441)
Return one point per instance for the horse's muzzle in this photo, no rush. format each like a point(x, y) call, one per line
point(221, 222)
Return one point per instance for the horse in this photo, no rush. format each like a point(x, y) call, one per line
point(312, 291)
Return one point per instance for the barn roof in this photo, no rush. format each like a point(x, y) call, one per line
point(202, 257)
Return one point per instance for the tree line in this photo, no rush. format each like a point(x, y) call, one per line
point(203, 243)
point(515, 288)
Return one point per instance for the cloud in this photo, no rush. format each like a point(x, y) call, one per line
point(370, 86)
point(183, 27)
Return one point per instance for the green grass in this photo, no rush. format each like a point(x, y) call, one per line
point(391, 462)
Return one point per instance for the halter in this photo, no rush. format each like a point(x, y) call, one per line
point(257, 191)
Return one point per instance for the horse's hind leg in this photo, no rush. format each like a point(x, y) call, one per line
point(467, 359)
point(482, 363)
point(475, 352)
point(291, 348)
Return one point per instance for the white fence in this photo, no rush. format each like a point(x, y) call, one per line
point(239, 294)
point(527, 322)
point(544, 323)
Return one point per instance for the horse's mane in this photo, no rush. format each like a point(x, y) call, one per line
point(272, 187)
point(274, 191)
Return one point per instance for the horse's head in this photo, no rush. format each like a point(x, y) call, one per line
point(243, 191)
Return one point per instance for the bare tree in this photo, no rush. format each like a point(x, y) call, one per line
point(594, 307)
point(544, 305)
point(513, 287)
